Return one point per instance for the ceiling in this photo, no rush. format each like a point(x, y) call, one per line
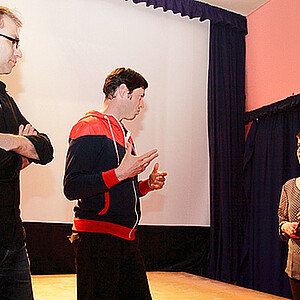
point(242, 7)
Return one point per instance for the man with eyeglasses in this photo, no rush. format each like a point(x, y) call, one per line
point(20, 145)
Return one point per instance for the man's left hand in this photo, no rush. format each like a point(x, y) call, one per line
point(157, 178)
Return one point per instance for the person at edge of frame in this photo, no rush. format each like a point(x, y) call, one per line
point(289, 230)
point(20, 145)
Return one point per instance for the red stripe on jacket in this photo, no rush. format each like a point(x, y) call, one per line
point(85, 225)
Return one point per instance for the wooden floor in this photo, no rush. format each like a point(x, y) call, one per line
point(164, 286)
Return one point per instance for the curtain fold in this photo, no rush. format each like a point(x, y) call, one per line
point(226, 107)
point(270, 160)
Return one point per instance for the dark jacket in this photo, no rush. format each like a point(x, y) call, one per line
point(11, 228)
point(96, 148)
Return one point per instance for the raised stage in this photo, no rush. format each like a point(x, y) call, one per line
point(164, 286)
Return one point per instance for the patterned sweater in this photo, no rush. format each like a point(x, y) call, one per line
point(289, 206)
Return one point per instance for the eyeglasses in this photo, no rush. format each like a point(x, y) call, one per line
point(14, 41)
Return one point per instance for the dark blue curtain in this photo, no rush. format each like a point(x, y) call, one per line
point(270, 160)
point(203, 11)
point(226, 107)
point(226, 103)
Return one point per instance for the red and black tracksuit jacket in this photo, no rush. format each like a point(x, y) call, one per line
point(97, 145)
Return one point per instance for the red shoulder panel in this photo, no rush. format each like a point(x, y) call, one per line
point(94, 125)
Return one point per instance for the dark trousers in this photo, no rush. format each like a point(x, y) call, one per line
point(109, 268)
point(295, 286)
point(15, 278)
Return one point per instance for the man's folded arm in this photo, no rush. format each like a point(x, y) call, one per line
point(37, 148)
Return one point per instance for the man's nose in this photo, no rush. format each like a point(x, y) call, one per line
point(18, 52)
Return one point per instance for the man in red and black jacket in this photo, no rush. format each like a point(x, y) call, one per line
point(101, 173)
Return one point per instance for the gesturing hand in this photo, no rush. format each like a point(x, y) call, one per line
point(132, 165)
point(157, 178)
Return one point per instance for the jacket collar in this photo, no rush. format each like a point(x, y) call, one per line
point(2, 87)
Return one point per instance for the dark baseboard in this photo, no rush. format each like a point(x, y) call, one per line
point(164, 248)
point(49, 249)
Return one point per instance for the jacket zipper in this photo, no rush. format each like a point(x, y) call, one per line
point(117, 153)
point(135, 210)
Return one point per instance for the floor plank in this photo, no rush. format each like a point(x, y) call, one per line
point(163, 285)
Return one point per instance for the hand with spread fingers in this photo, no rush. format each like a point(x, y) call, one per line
point(132, 165)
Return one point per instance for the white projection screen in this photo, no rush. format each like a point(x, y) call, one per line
point(69, 46)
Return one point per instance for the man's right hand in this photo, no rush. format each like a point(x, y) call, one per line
point(26, 130)
point(132, 165)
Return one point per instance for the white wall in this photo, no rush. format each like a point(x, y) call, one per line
point(69, 47)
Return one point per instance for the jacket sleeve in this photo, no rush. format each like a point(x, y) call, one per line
point(283, 213)
point(82, 179)
point(10, 165)
point(41, 142)
point(43, 148)
point(144, 188)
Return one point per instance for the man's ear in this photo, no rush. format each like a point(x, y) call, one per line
point(123, 90)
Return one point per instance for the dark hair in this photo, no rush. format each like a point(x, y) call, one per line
point(131, 78)
point(4, 11)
